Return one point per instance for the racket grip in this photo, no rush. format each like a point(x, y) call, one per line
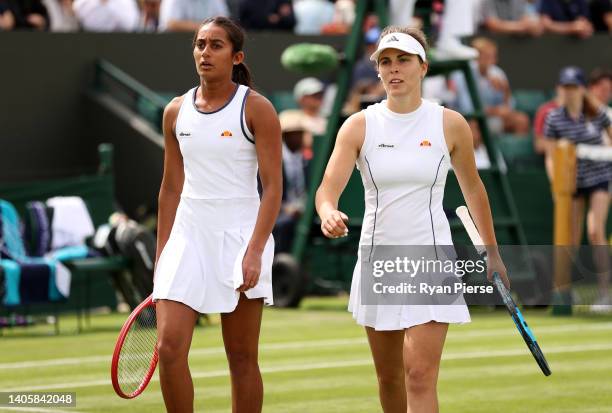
point(498, 281)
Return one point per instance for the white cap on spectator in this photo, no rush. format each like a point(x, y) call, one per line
point(400, 41)
point(307, 86)
point(292, 120)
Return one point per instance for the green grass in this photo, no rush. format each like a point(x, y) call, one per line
point(316, 359)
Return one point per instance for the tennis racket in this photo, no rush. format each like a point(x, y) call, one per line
point(135, 356)
point(515, 313)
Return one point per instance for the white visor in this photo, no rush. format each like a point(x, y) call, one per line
point(400, 41)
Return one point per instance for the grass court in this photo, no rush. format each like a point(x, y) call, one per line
point(316, 359)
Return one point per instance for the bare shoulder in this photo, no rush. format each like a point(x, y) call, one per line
point(173, 106)
point(456, 129)
point(356, 121)
point(261, 117)
point(257, 102)
point(171, 113)
point(353, 130)
point(454, 121)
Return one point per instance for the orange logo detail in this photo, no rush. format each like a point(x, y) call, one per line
point(226, 134)
point(425, 142)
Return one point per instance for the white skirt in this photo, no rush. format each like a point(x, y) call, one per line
point(401, 317)
point(201, 264)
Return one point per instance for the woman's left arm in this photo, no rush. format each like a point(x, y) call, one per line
point(263, 122)
point(462, 158)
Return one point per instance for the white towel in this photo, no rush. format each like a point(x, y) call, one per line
point(71, 221)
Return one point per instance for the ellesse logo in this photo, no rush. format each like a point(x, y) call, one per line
point(226, 134)
point(425, 142)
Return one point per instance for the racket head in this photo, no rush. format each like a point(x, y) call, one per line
point(531, 342)
point(538, 355)
point(139, 332)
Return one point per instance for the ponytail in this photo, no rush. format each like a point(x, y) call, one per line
point(242, 75)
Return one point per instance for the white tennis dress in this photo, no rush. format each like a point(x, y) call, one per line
point(403, 163)
point(201, 264)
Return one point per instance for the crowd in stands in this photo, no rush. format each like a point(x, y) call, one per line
point(504, 117)
point(301, 16)
point(447, 21)
point(456, 18)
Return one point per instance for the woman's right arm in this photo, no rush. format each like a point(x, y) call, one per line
point(339, 168)
point(173, 178)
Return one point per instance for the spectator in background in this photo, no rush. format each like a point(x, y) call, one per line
point(107, 15)
point(539, 140)
point(294, 179)
point(186, 15)
point(308, 93)
point(533, 9)
point(365, 87)
point(364, 69)
point(566, 17)
point(344, 16)
point(312, 15)
point(61, 16)
point(345, 12)
point(29, 14)
point(401, 13)
point(601, 15)
point(7, 20)
point(579, 120)
point(510, 17)
point(494, 91)
point(457, 19)
point(600, 91)
point(149, 16)
point(267, 15)
point(600, 85)
point(481, 157)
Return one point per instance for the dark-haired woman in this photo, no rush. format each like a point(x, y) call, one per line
point(404, 147)
point(214, 244)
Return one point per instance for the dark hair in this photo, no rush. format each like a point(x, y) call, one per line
point(240, 73)
point(590, 108)
point(599, 74)
point(411, 31)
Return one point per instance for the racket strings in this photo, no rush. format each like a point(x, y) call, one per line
point(138, 351)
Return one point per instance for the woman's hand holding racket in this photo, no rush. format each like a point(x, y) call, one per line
point(333, 225)
point(497, 273)
point(495, 265)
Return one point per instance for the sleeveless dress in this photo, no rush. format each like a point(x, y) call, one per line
point(403, 163)
point(201, 264)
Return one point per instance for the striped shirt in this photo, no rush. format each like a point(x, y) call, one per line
point(589, 131)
